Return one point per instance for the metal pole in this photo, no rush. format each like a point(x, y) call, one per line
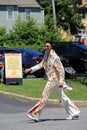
point(54, 12)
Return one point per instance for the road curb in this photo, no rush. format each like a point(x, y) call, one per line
point(50, 101)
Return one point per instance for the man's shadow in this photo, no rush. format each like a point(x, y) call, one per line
point(46, 120)
point(59, 119)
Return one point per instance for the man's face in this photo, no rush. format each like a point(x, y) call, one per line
point(48, 47)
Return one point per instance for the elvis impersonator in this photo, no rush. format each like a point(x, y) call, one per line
point(55, 73)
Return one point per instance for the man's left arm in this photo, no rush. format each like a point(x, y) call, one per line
point(60, 70)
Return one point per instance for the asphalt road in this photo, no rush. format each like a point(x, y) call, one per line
point(13, 117)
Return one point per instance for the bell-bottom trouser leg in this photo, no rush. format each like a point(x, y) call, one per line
point(37, 108)
point(70, 108)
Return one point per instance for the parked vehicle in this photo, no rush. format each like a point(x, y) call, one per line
point(82, 39)
point(30, 58)
point(76, 54)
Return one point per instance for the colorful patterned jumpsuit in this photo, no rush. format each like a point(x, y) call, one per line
point(55, 73)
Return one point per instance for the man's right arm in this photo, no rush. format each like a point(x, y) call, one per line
point(34, 68)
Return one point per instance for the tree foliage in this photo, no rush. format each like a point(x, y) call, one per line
point(3, 36)
point(29, 34)
point(67, 15)
point(24, 32)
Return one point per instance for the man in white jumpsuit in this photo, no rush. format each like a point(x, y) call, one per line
point(56, 79)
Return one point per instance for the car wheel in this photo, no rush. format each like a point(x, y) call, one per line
point(24, 76)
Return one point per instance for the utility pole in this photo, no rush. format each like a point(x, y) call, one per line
point(54, 12)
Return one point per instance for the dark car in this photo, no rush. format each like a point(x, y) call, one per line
point(29, 58)
point(75, 54)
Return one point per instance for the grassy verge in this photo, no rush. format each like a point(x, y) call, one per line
point(34, 88)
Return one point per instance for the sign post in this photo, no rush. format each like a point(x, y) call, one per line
point(13, 68)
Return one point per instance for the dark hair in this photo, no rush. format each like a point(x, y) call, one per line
point(51, 43)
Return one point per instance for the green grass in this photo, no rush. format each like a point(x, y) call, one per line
point(34, 88)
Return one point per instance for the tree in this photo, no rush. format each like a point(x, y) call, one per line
point(67, 15)
point(29, 34)
point(24, 33)
point(46, 4)
point(3, 36)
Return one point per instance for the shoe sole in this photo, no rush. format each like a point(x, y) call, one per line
point(32, 118)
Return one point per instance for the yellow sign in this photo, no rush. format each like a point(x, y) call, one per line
point(13, 65)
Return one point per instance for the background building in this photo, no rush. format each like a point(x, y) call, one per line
point(11, 10)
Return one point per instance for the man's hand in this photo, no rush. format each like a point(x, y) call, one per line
point(27, 70)
point(60, 85)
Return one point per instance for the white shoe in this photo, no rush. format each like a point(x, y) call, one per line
point(33, 117)
point(74, 117)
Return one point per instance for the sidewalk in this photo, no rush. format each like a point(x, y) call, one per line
point(50, 101)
